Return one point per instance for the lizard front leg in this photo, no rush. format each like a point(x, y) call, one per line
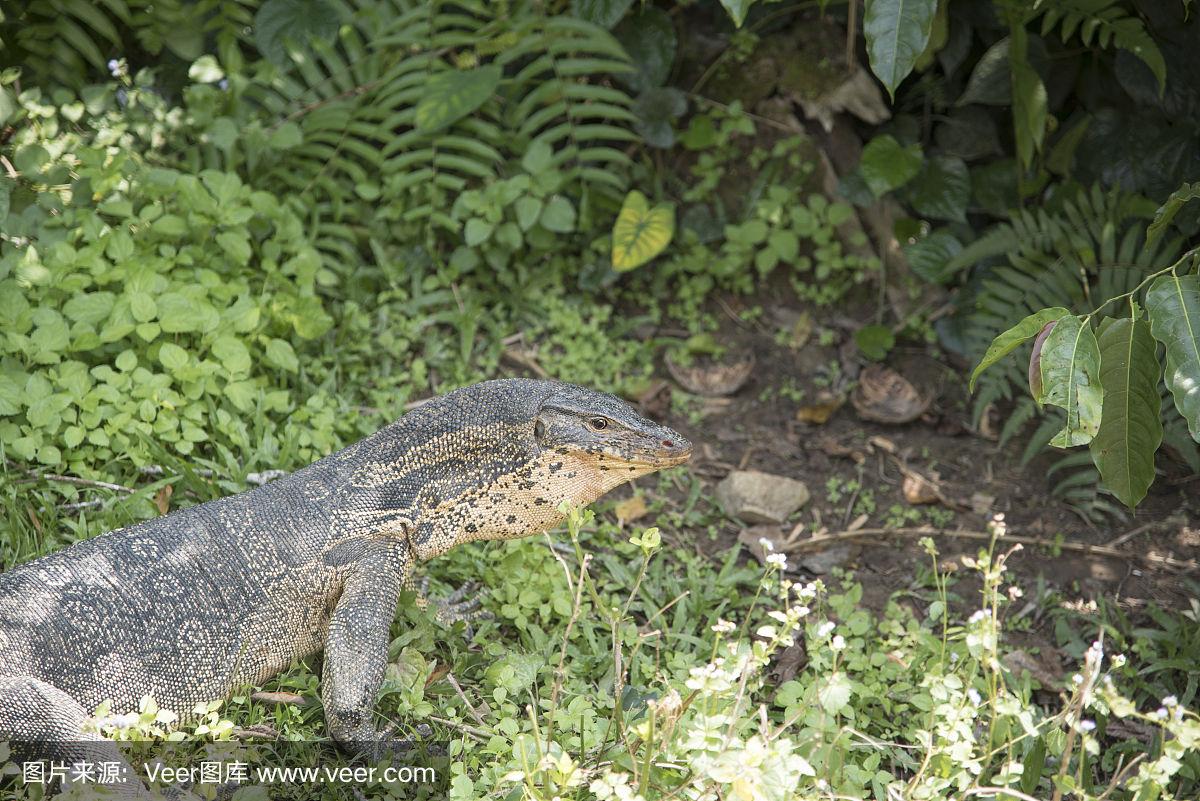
point(357, 648)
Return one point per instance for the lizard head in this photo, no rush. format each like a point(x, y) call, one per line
point(543, 443)
point(605, 435)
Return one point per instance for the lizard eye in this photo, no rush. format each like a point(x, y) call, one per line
point(598, 423)
point(539, 430)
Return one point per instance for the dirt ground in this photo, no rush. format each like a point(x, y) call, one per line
point(1153, 552)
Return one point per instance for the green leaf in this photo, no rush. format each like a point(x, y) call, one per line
point(835, 691)
point(558, 215)
point(451, 95)
point(1130, 426)
point(206, 70)
point(991, 79)
point(233, 353)
point(280, 354)
point(236, 245)
point(737, 10)
point(1173, 306)
point(1070, 370)
point(91, 308)
point(649, 39)
point(1014, 337)
point(529, 208)
point(605, 13)
point(897, 32)
point(656, 110)
point(640, 232)
point(875, 341)
point(942, 189)
point(477, 231)
point(172, 357)
point(1166, 212)
point(277, 21)
point(1029, 100)
point(886, 164)
point(929, 256)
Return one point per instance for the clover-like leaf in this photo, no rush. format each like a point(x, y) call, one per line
point(640, 232)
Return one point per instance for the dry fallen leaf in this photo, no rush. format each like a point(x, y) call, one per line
point(884, 396)
point(824, 405)
point(918, 489)
point(279, 698)
point(631, 509)
point(1043, 667)
point(704, 377)
point(162, 499)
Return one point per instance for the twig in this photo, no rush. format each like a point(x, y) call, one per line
point(819, 541)
point(84, 482)
point(470, 708)
point(482, 735)
point(1153, 524)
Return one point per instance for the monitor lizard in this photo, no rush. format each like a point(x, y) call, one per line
point(188, 607)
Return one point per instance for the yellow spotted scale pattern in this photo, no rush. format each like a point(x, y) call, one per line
point(188, 607)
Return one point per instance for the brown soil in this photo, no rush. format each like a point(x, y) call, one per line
point(756, 428)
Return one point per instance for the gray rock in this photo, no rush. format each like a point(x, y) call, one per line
point(755, 497)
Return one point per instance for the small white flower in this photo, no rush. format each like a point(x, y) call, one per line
point(973, 694)
point(766, 632)
point(802, 611)
point(1087, 725)
point(1161, 713)
point(1170, 701)
point(777, 560)
point(839, 643)
point(723, 626)
point(978, 616)
point(825, 629)
point(1118, 660)
point(766, 544)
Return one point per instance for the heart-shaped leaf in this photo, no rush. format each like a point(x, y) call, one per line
point(451, 95)
point(641, 232)
point(1130, 427)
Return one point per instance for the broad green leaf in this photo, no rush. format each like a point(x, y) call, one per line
point(886, 164)
point(640, 232)
point(172, 357)
point(1173, 306)
point(278, 21)
point(656, 110)
point(91, 308)
point(897, 32)
point(929, 256)
point(1029, 100)
point(558, 215)
point(605, 13)
point(835, 692)
point(451, 95)
point(1130, 427)
point(1014, 337)
point(649, 39)
point(942, 189)
point(1070, 372)
point(1167, 211)
point(233, 353)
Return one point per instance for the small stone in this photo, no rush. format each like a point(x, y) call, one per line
point(755, 497)
point(821, 562)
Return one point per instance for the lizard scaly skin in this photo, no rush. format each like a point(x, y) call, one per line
point(188, 607)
